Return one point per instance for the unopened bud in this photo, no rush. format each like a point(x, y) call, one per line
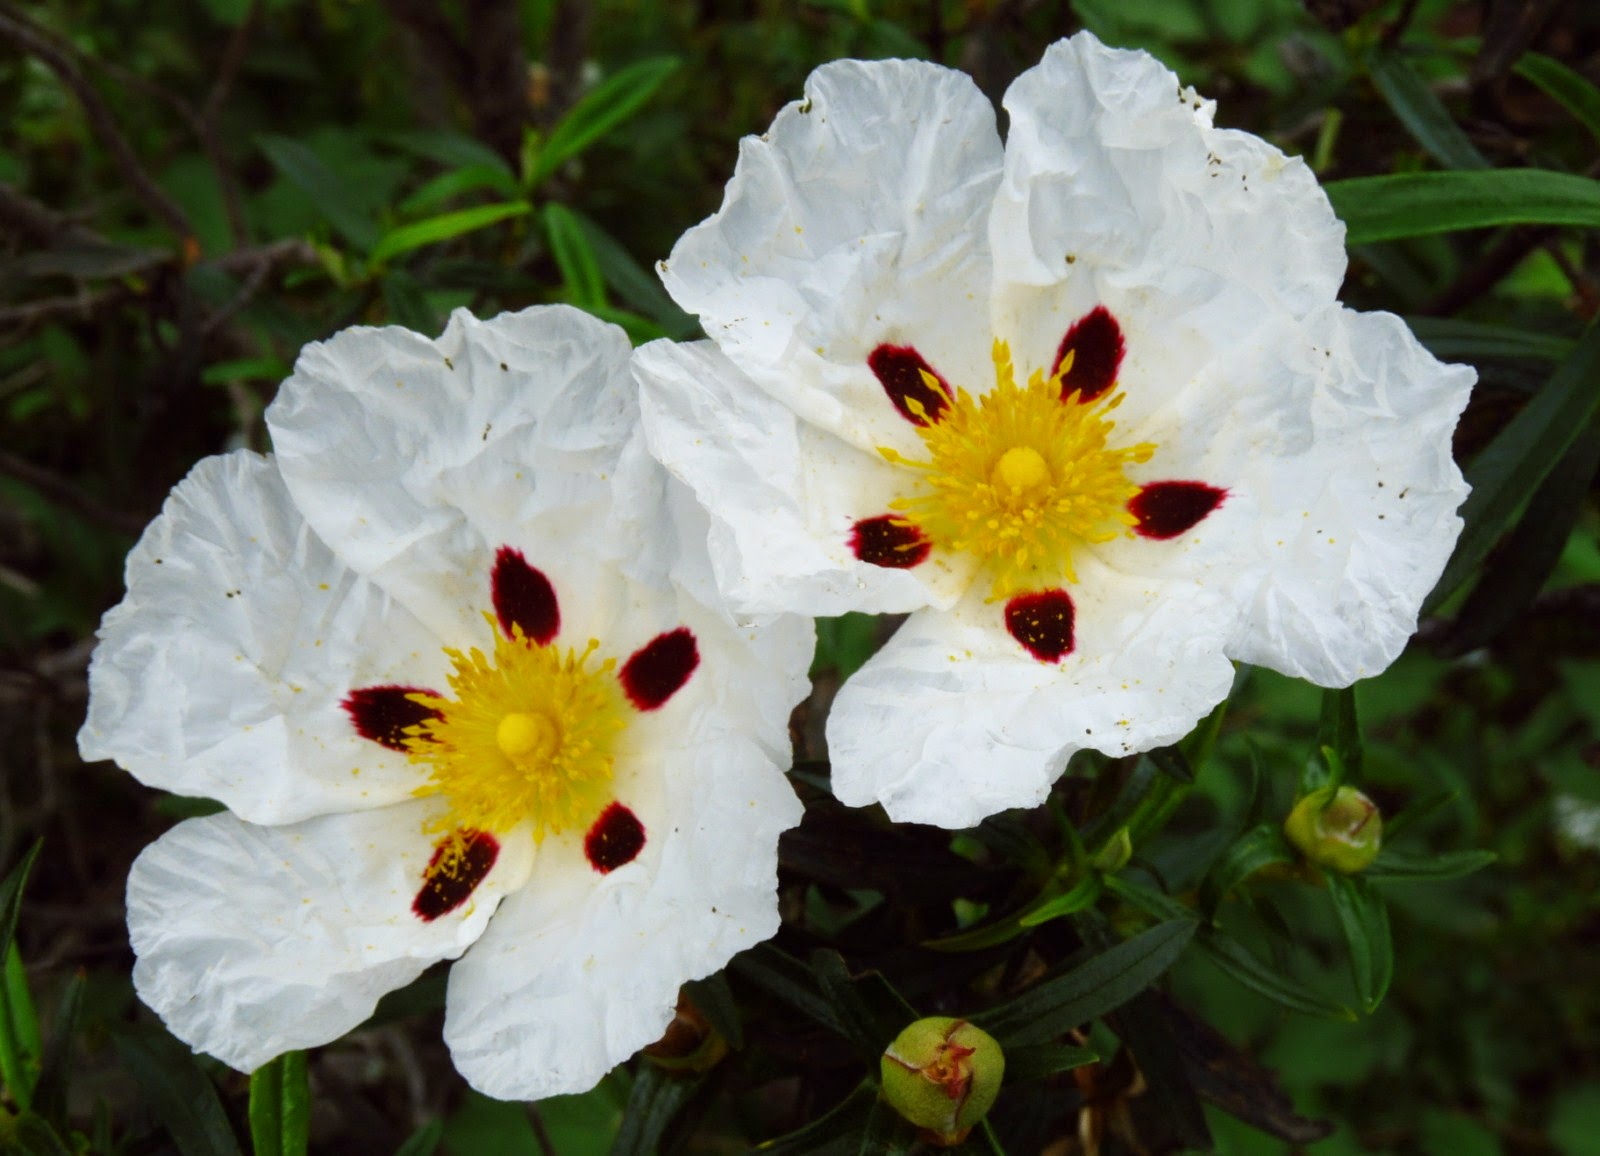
point(1339, 829)
point(943, 1074)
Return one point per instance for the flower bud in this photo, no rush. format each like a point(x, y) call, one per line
point(943, 1074)
point(1339, 829)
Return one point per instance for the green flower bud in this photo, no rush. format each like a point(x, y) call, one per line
point(943, 1074)
point(1337, 829)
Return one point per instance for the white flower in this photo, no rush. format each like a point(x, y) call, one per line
point(453, 659)
point(1083, 404)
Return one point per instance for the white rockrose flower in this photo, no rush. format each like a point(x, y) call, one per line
point(1083, 403)
point(454, 660)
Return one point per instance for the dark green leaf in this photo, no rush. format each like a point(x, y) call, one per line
point(715, 1000)
point(1258, 847)
point(1338, 731)
point(1090, 990)
point(19, 1031)
point(835, 1130)
point(1365, 922)
point(1080, 895)
point(1451, 339)
point(445, 227)
point(176, 1090)
point(1172, 762)
point(423, 1141)
point(886, 1133)
point(1418, 204)
point(1405, 867)
point(32, 1135)
point(654, 1101)
point(448, 148)
point(611, 103)
point(1036, 1061)
point(570, 247)
point(786, 978)
point(55, 1071)
point(871, 1012)
point(1236, 960)
point(327, 193)
point(1423, 114)
point(642, 290)
point(408, 304)
point(1510, 469)
point(1563, 85)
point(447, 186)
point(280, 1106)
point(1146, 1030)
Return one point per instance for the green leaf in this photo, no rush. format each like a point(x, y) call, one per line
point(887, 1133)
point(1172, 762)
point(1566, 87)
point(55, 1072)
point(423, 1141)
point(1451, 338)
point(1510, 469)
point(1236, 960)
point(830, 1131)
point(871, 1012)
point(407, 304)
point(781, 975)
point(1339, 749)
point(19, 1027)
point(1365, 922)
point(327, 193)
point(1037, 1061)
point(176, 1090)
point(444, 227)
point(1080, 895)
point(447, 186)
point(1418, 204)
point(1259, 847)
point(280, 1107)
point(653, 1103)
point(569, 245)
point(640, 288)
point(32, 1135)
point(612, 102)
point(1404, 867)
point(455, 149)
point(1090, 990)
point(714, 999)
point(1423, 114)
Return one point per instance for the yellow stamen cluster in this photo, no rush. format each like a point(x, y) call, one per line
point(1021, 476)
point(529, 736)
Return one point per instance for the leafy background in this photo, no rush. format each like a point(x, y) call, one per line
point(190, 191)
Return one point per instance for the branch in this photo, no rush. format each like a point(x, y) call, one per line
point(32, 39)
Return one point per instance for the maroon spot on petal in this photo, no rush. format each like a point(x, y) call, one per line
point(889, 540)
point(1167, 509)
point(899, 368)
point(524, 597)
point(459, 864)
point(382, 713)
point(659, 668)
point(1095, 342)
point(616, 838)
point(1042, 622)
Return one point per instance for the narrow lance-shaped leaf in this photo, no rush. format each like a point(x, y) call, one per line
point(280, 1107)
point(56, 1070)
point(1568, 88)
point(1406, 867)
point(570, 248)
point(19, 1032)
point(1261, 846)
point(1239, 962)
point(653, 1103)
point(1365, 922)
point(444, 227)
point(1418, 204)
point(871, 1012)
point(612, 102)
point(829, 1132)
point(328, 194)
point(1423, 114)
point(177, 1092)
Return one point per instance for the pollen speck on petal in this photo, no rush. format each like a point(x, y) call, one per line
point(1095, 345)
point(1042, 622)
point(904, 374)
point(1167, 509)
point(460, 862)
point(658, 669)
point(616, 838)
point(524, 597)
point(889, 540)
point(382, 713)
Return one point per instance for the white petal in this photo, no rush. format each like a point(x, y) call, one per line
point(1119, 192)
point(953, 721)
point(222, 672)
point(856, 220)
point(253, 941)
point(1333, 441)
point(578, 971)
point(782, 494)
point(416, 460)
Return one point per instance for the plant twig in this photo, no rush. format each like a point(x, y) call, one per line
point(211, 112)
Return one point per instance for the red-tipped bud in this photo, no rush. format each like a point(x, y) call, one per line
point(1339, 829)
point(943, 1074)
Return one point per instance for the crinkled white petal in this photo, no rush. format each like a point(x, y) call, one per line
point(416, 460)
point(952, 720)
point(253, 941)
point(782, 494)
point(857, 219)
point(579, 970)
point(1119, 192)
point(221, 672)
point(1332, 438)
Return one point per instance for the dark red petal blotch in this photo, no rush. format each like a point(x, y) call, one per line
point(616, 838)
point(524, 597)
point(899, 368)
point(657, 670)
point(1095, 342)
point(1042, 622)
point(459, 864)
point(888, 540)
point(382, 713)
point(1167, 509)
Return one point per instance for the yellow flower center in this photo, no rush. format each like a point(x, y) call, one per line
point(1021, 477)
point(529, 736)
